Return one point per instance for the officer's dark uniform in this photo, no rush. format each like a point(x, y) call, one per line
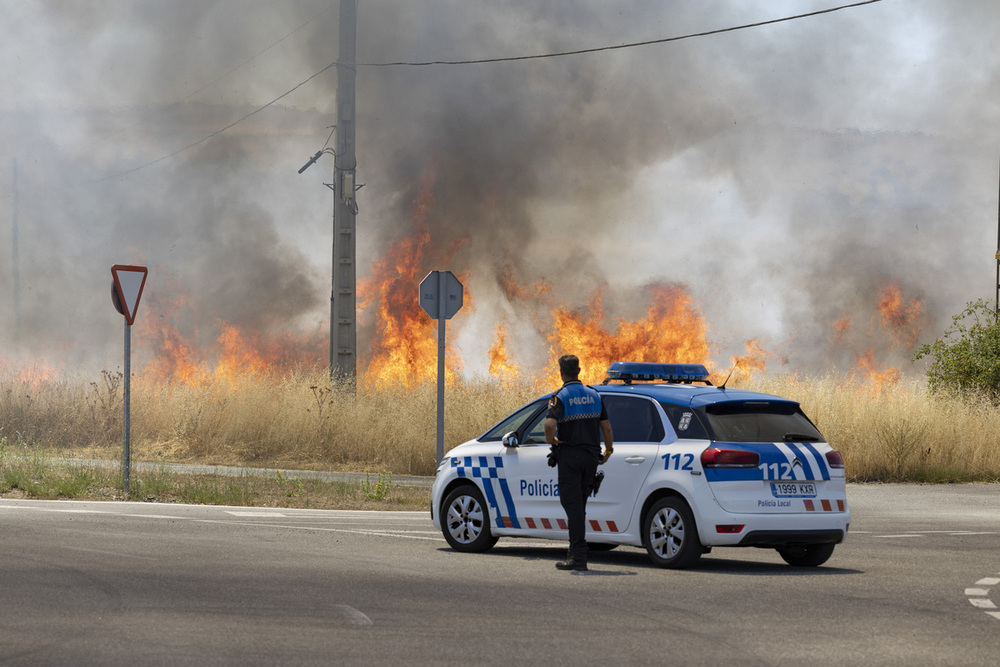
point(578, 411)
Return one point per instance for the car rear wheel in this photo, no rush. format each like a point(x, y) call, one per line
point(466, 522)
point(670, 535)
point(806, 555)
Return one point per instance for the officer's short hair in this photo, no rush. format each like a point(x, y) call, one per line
point(569, 365)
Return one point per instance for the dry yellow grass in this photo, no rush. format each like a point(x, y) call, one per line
point(899, 432)
point(301, 420)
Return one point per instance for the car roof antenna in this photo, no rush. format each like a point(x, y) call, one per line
point(731, 371)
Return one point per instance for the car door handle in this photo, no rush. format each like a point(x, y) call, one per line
point(635, 460)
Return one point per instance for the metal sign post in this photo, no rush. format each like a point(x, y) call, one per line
point(441, 297)
point(126, 289)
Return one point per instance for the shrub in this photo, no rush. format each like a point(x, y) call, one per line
point(967, 357)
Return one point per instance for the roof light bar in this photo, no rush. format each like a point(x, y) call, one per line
point(641, 371)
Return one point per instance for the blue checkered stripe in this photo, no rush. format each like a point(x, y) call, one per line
point(493, 479)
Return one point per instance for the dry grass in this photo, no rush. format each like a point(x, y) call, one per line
point(899, 432)
point(301, 420)
point(289, 420)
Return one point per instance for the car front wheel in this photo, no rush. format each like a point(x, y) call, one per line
point(669, 533)
point(806, 555)
point(466, 521)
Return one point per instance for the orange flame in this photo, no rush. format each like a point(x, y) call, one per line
point(841, 328)
point(404, 349)
point(879, 377)
point(501, 364)
point(514, 291)
point(235, 353)
point(755, 359)
point(37, 373)
point(901, 319)
point(673, 329)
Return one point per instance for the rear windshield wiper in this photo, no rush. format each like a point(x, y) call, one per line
point(800, 437)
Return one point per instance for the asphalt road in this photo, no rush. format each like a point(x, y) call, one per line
point(916, 583)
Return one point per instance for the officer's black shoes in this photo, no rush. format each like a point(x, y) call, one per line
point(571, 565)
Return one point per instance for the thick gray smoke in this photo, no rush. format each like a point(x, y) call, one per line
point(787, 174)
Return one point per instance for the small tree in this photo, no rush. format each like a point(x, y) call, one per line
point(967, 357)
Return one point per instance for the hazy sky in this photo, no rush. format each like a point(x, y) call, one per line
point(786, 174)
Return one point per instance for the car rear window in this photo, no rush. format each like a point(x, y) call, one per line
point(762, 421)
point(686, 422)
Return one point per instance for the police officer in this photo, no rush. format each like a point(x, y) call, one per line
point(575, 422)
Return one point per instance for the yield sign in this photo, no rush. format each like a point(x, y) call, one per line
point(129, 281)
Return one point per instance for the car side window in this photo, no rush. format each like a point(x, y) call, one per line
point(535, 435)
point(514, 422)
point(685, 421)
point(633, 419)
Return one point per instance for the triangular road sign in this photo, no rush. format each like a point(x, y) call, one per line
point(129, 281)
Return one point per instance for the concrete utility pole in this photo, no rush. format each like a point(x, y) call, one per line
point(996, 304)
point(343, 298)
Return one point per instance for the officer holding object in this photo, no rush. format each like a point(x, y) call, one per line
point(575, 422)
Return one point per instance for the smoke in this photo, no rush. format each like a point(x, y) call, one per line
point(785, 174)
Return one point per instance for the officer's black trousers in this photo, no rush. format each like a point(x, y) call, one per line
point(577, 467)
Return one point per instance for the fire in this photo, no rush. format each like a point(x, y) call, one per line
point(501, 364)
point(755, 359)
point(896, 323)
point(404, 348)
point(673, 330)
point(175, 358)
point(542, 288)
point(172, 355)
point(840, 328)
point(37, 373)
point(237, 357)
point(236, 354)
point(902, 320)
point(878, 376)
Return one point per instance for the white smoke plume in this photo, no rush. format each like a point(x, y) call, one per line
point(786, 174)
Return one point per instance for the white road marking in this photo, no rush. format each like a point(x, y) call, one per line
point(366, 521)
point(978, 596)
point(354, 617)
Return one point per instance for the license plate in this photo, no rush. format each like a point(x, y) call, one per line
point(793, 489)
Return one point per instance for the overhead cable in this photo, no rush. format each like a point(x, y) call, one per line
point(616, 47)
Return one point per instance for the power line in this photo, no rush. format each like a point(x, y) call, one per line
point(258, 54)
point(618, 46)
point(219, 131)
point(540, 56)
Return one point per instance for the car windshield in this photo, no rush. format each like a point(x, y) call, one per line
point(759, 421)
point(513, 422)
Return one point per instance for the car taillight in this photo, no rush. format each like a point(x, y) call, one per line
point(728, 527)
point(834, 459)
point(714, 457)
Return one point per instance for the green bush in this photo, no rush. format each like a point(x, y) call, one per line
point(967, 357)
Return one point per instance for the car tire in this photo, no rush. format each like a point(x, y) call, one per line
point(670, 534)
point(465, 520)
point(806, 555)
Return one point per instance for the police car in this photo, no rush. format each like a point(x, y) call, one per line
point(695, 466)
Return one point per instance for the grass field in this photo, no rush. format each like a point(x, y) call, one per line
point(894, 432)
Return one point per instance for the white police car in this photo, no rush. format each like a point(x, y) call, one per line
point(694, 466)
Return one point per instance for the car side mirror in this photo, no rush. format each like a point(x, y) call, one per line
point(510, 439)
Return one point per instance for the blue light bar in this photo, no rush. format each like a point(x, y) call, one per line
point(629, 371)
